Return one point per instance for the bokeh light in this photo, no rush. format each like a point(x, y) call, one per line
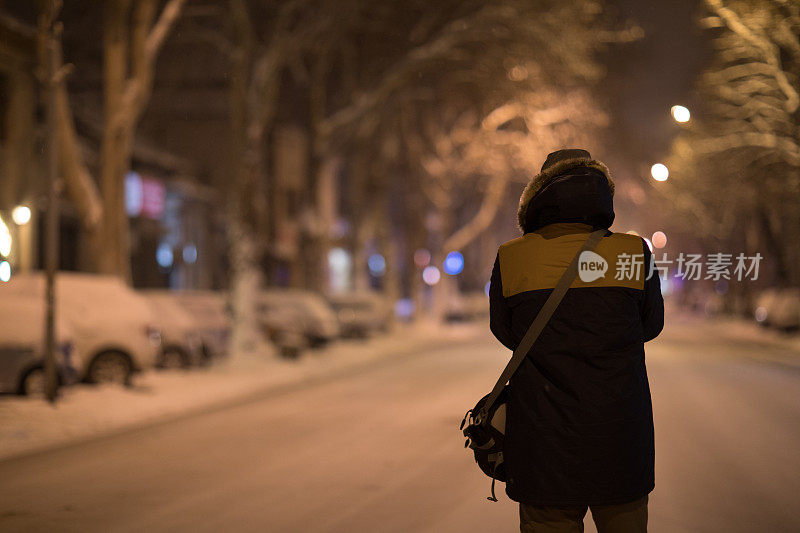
point(21, 215)
point(5, 239)
point(164, 256)
point(431, 275)
point(376, 264)
point(422, 258)
point(404, 308)
point(660, 172)
point(680, 113)
point(454, 263)
point(659, 239)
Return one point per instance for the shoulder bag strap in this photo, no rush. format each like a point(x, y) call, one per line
point(540, 321)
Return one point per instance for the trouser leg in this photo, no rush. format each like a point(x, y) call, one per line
point(628, 517)
point(550, 519)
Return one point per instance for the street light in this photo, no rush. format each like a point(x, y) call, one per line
point(680, 113)
point(21, 215)
point(5, 239)
point(659, 171)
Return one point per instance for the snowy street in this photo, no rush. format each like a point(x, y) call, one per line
point(378, 449)
point(259, 258)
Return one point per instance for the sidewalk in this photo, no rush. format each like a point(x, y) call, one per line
point(762, 344)
point(83, 412)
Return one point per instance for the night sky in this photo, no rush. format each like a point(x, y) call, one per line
point(648, 77)
point(644, 80)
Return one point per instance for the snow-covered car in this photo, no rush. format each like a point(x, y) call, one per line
point(208, 310)
point(22, 333)
point(467, 307)
point(361, 314)
point(114, 329)
point(317, 320)
point(181, 341)
point(283, 327)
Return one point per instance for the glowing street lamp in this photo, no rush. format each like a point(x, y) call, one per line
point(660, 172)
point(5, 240)
point(680, 113)
point(21, 215)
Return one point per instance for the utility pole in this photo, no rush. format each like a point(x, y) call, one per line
point(50, 64)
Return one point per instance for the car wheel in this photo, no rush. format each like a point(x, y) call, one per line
point(207, 354)
point(173, 358)
point(110, 367)
point(33, 383)
point(316, 343)
point(290, 352)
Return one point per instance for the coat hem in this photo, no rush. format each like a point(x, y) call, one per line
point(583, 502)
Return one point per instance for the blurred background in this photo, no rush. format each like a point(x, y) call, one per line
point(245, 248)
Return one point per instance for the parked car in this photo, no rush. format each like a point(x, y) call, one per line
point(361, 314)
point(467, 307)
point(181, 341)
point(22, 332)
point(779, 308)
point(284, 328)
point(208, 310)
point(316, 320)
point(114, 329)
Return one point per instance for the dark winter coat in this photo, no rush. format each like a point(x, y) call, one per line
point(579, 427)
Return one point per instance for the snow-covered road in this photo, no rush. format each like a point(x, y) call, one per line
point(379, 450)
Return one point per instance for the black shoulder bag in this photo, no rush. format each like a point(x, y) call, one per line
point(486, 422)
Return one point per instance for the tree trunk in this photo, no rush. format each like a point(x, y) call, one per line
point(245, 282)
point(130, 45)
point(115, 253)
point(20, 138)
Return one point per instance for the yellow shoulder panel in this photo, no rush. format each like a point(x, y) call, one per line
point(533, 262)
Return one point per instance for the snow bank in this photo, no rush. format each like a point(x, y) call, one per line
point(27, 425)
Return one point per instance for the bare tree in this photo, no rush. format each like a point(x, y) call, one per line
point(261, 45)
point(361, 66)
point(133, 35)
point(744, 139)
point(476, 57)
point(470, 161)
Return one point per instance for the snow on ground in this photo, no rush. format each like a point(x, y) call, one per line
point(27, 425)
point(764, 344)
point(83, 411)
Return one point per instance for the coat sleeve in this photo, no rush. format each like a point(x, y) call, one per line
point(652, 306)
point(499, 312)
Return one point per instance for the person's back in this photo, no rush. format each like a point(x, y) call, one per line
point(579, 430)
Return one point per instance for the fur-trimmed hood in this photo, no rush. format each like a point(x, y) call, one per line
point(551, 172)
